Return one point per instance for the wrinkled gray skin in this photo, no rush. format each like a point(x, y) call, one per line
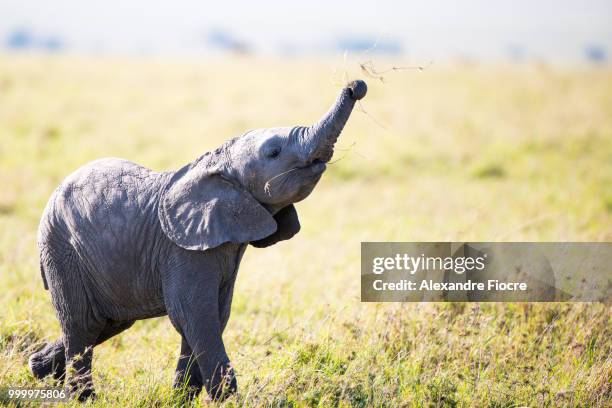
point(119, 242)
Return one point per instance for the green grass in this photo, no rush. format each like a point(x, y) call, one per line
point(465, 153)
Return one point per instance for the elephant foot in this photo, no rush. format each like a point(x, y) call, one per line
point(82, 391)
point(87, 394)
point(188, 386)
point(50, 360)
point(80, 385)
point(223, 385)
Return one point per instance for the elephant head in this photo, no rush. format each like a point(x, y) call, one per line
point(244, 191)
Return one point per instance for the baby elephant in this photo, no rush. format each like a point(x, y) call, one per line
point(119, 242)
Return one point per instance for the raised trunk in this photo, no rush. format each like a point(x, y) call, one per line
point(318, 140)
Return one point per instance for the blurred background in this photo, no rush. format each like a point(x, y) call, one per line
point(505, 134)
point(522, 30)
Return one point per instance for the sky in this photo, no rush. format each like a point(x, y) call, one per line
point(543, 29)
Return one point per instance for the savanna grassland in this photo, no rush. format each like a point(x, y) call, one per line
point(454, 152)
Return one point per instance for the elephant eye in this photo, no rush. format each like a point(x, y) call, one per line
point(273, 153)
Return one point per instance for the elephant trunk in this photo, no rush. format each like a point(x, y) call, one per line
point(318, 140)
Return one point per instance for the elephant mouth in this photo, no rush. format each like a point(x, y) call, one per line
point(316, 166)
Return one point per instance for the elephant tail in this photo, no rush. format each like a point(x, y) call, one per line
point(42, 275)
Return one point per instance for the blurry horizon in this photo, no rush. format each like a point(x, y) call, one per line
point(557, 32)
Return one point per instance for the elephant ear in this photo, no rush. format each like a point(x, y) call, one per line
point(200, 211)
point(288, 225)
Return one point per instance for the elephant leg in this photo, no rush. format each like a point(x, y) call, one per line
point(79, 352)
point(188, 372)
point(81, 325)
point(204, 332)
point(192, 302)
point(51, 360)
point(80, 337)
point(225, 303)
point(79, 355)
